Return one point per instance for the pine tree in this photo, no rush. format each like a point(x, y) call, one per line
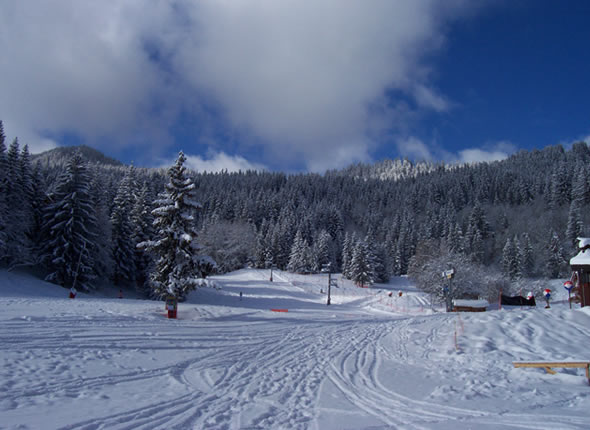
point(528, 257)
point(69, 226)
point(14, 206)
point(361, 270)
point(262, 246)
point(142, 221)
point(477, 248)
point(479, 222)
point(516, 264)
point(377, 257)
point(574, 223)
point(455, 239)
point(37, 204)
point(3, 194)
point(179, 268)
point(347, 248)
point(299, 257)
point(512, 257)
point(322, 253)
point(405, 245)
point(507, 257)
point(580, 187)
point(560, 186)
point(123, 246)
point(555, 256)
point(103, 230)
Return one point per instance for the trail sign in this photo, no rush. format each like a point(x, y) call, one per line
point(448, 274)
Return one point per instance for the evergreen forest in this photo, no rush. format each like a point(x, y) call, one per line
point(77, 216)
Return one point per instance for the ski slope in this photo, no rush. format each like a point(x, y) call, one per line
point(368, 361)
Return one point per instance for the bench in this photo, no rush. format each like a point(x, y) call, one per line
point(549, 365)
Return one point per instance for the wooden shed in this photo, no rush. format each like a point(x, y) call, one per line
point(470, 305)
point(581, 277)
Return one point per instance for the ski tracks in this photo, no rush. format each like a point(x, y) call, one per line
point(356, 373)
point(269, 381)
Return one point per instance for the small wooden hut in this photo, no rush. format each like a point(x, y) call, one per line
point(470, 305)
point(581, 272)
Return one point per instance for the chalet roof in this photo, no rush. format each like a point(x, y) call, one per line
point(583, 257)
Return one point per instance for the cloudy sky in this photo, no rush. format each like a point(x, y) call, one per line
point(295, 85)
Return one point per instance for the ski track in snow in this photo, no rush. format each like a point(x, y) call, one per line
point(108, 364)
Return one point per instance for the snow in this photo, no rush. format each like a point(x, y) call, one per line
point(583, 242)
point(471, 303)
point(582, 259)
point(368, 361)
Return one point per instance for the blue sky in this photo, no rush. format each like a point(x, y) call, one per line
point(295, 85)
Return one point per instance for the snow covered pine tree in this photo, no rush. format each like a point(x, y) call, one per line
point(178, 268)
point(69, 228)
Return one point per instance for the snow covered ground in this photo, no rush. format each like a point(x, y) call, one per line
point(368, 361)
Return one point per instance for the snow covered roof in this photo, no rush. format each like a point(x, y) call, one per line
point(584, 242)
point(582, 259)
point(471, 303)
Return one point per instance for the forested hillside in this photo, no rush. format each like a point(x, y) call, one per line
point(518, 217)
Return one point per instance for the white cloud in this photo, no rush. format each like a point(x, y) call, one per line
point(429, 99)
point(570, 142)
point(479, 155)
point(489, 152)
point(220, 161)
point(295, 77)
point(414, 149)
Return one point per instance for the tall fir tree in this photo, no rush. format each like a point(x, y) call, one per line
point(322, 251)
point(69, 228)
point(574, 223)
point(179, 266)
point(13, 196)
point(299, 259)
point(347, 248)
point(123, 245)
point(555, 257)
point(142, 221)
point(528, 257)
point(3, 194)
point(361, 270)
point(508, 257)
point(103, 230)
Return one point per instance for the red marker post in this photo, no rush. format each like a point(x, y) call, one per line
point(171, 306)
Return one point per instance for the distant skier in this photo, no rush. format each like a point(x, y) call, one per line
point(547, 294)
point(73, 292)
point(240, 296)
point(120, 293)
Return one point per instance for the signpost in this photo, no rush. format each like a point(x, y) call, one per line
point(448, 274)
point(331, 282)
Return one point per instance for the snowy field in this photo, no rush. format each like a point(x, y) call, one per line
point(368, 361)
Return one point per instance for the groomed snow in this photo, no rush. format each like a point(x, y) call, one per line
point(368, 361)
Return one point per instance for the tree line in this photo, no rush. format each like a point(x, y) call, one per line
point(76, 215)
